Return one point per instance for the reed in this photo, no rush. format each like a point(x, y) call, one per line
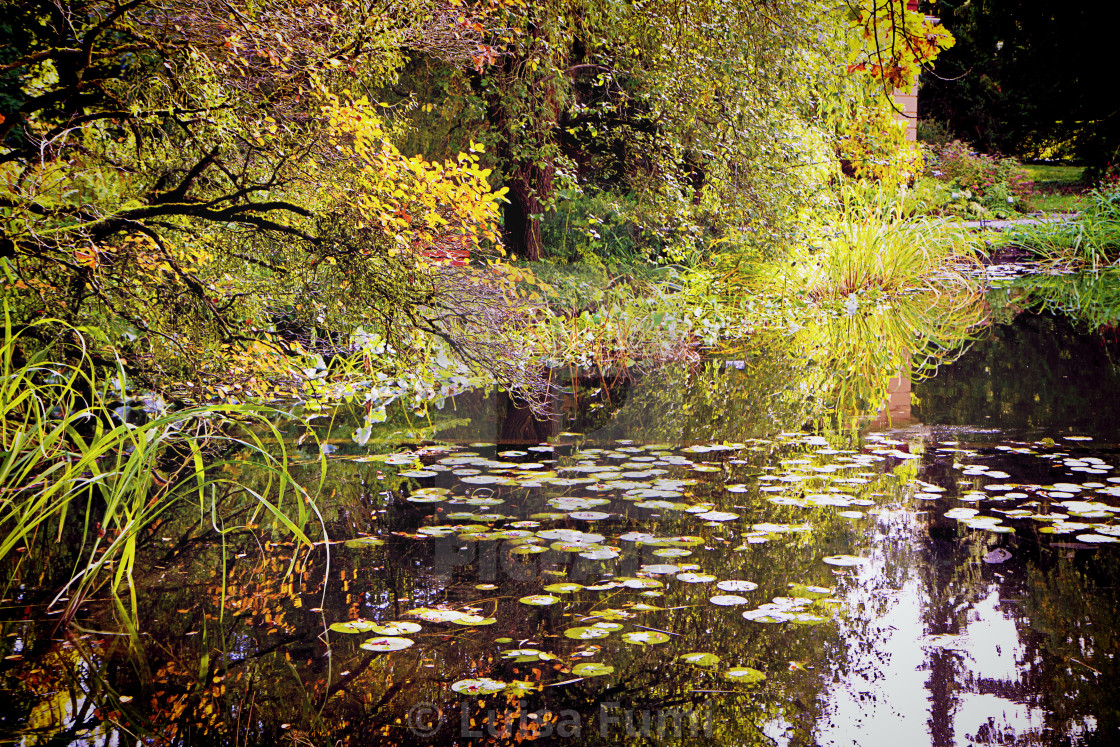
point(1092, 241)
point(72, 464)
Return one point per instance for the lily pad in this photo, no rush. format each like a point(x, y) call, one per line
point(728, 600)
point(609, 626)
point(700, 659)
point(844, 560)
point(808, 592)
point(584, 633)
point(539, 600)
point(479, 686)
point(436, 615)
point(672, 552)
point(736, 585)
point(589, 515)
point(770, 616)
point(526, 655)
point(475, 620)
point(745, 675)
point(1097, 538)
point(396, 628)
point(563, 588)
point(528, 550)
point(660, 569)
point(602, 554)
point(365, 542)
point(356, 626)
point(645, 637)
point(426, 498)
point(521, 688)
point(717, 516)
point(592, 669)
point(642, 583)
point(385, 644)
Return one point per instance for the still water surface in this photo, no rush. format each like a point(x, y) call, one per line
point(665, 561)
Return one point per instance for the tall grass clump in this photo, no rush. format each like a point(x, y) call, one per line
point(1091, 241)
point(76, 464)
point(870, 245)
point(1090, 297)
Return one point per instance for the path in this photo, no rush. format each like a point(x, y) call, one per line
point(999, 225)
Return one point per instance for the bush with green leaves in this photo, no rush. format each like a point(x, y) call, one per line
point(596, 227)
point(1091, 241)
point(981, 185)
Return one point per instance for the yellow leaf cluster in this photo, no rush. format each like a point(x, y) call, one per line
point(428, 207)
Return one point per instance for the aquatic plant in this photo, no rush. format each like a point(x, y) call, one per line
point(81, 461)
point(1092, 240)
point(870, 245)
point(1091, 297)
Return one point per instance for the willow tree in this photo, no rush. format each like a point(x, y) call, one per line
point(188, 179)
point(699, 109)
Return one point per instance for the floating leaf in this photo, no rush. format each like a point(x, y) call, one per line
point(745, 675)
point(592, 669)
point(431, 491)
point(728, 600)
point(539, 600)
point(386, 644)
point(700, 659)
point(526, 655)
point(696, 578)
point(589, 515)
point(436, 615)
point(563, 588)
point(808, 592)
point(734, 585)
point(660, 569)
point(365, 542)
point(521, 688)
point(396, 628)
point(717, 516)
point(645, 637)
point(642, 583)
point(672, 552)
point(584, 633)
point(474, 620)
point(426, 499)
point(479, 686)
point(844, 560)
point(602, 554)
point(609, 626)
point(356, 626)
point(528, 549)
point(767, 616)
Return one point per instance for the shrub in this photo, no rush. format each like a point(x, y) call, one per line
point(933, 132)
point(873, 146)
point(981, 185)
point(1092, 240)
point(596, 228)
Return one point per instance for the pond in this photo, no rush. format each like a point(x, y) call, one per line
point(673, 557)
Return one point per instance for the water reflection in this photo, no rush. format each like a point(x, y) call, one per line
point(931, 637)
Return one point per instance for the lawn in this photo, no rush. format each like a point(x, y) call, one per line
point(1059, 188)
point(1054, 175)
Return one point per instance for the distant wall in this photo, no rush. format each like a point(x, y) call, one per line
point(907, 101)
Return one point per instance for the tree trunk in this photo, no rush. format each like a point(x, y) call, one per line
point(528, 188)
